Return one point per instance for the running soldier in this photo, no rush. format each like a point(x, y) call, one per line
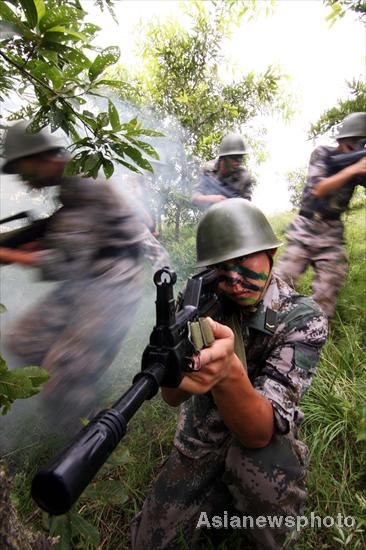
point(93, 245)
point(224, 177)
point(237, 450)
point(316, 236)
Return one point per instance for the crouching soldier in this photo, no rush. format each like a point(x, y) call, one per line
point(237, 449)
point(225, 177)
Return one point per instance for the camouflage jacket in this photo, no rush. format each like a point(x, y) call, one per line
point(238, 184)
point(94, 234)
point(283, 339)
point(330, 206)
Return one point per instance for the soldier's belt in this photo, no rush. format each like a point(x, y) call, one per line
point(318, 216)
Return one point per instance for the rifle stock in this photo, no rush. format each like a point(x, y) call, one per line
point(168, 354)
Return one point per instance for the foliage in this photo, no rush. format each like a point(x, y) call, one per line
point(356, 102)
point(296, 180)
point(180, 75)
point(18, 383)
point(45, 60)
point(339, 8)
point(181, 78)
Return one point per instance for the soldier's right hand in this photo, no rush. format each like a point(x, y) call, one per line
point(359, 167)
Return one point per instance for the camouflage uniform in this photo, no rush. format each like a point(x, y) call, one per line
point(209, 470)
point(316, 236)
point(237, 184)
point(94, 246)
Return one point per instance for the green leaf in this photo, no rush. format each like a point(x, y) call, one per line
point(2, 308)
point(62, 15)
point(128, 165)
point(146, 147)
point(30, 12)
point(7, 13)
point(41, 9)
point(113, 116)
point(61, 34)
point(85, 530)
point(119, 457)
point(109, 56)
point(102, 120)
point(36, 375)
point(47, 71)
point(68, 54)
point(91, 29)
point(91, 161)
point(136, 156)
point(108, 168)
point(112, 83)
point(61, 526)
point(108, 491)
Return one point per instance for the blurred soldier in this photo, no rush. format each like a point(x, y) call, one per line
point(224, 177)
point(236, 448)
point(94, 245)
point(316, 236)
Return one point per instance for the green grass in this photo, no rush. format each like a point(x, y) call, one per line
point(334, 429)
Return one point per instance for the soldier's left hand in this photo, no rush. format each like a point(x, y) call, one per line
point(214, 363)
point(9, 256)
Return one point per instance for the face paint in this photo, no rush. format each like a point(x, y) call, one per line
point(243, 280)
point(232, 163)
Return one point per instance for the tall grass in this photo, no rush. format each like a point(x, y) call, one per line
point(334, 429)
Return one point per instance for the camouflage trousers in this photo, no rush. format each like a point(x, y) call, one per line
point(232, 480)
point(321, 245)
point(75, 333)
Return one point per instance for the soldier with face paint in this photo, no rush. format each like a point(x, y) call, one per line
point(236, 449)
point(224, 177)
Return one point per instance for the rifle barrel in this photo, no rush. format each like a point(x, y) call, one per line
point(57, 487)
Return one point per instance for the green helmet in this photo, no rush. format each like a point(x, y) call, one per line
point(232, 228)
point(232, 144)
point(19, 143)
point(354, 125)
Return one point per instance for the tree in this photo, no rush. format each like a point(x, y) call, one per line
point(180, 75)
point(45, 48)
point(296, 181)
point(339, 8)
point(179, 78)
point(356, 102)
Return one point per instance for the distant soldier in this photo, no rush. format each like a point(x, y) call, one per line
point(93, 245)
point(316, 236)
point(237, 449)
point(225, 177)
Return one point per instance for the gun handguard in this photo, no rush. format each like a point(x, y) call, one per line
point(57, 487)
point(338, 162)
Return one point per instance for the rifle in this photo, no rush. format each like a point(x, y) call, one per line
point(338, 162)
point(24, 235)
point(168, 355)
point(217, 188)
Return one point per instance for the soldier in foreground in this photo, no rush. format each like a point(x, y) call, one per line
point(94, 246)
point(236, 448)
point(224, 177)
point(316, 236)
